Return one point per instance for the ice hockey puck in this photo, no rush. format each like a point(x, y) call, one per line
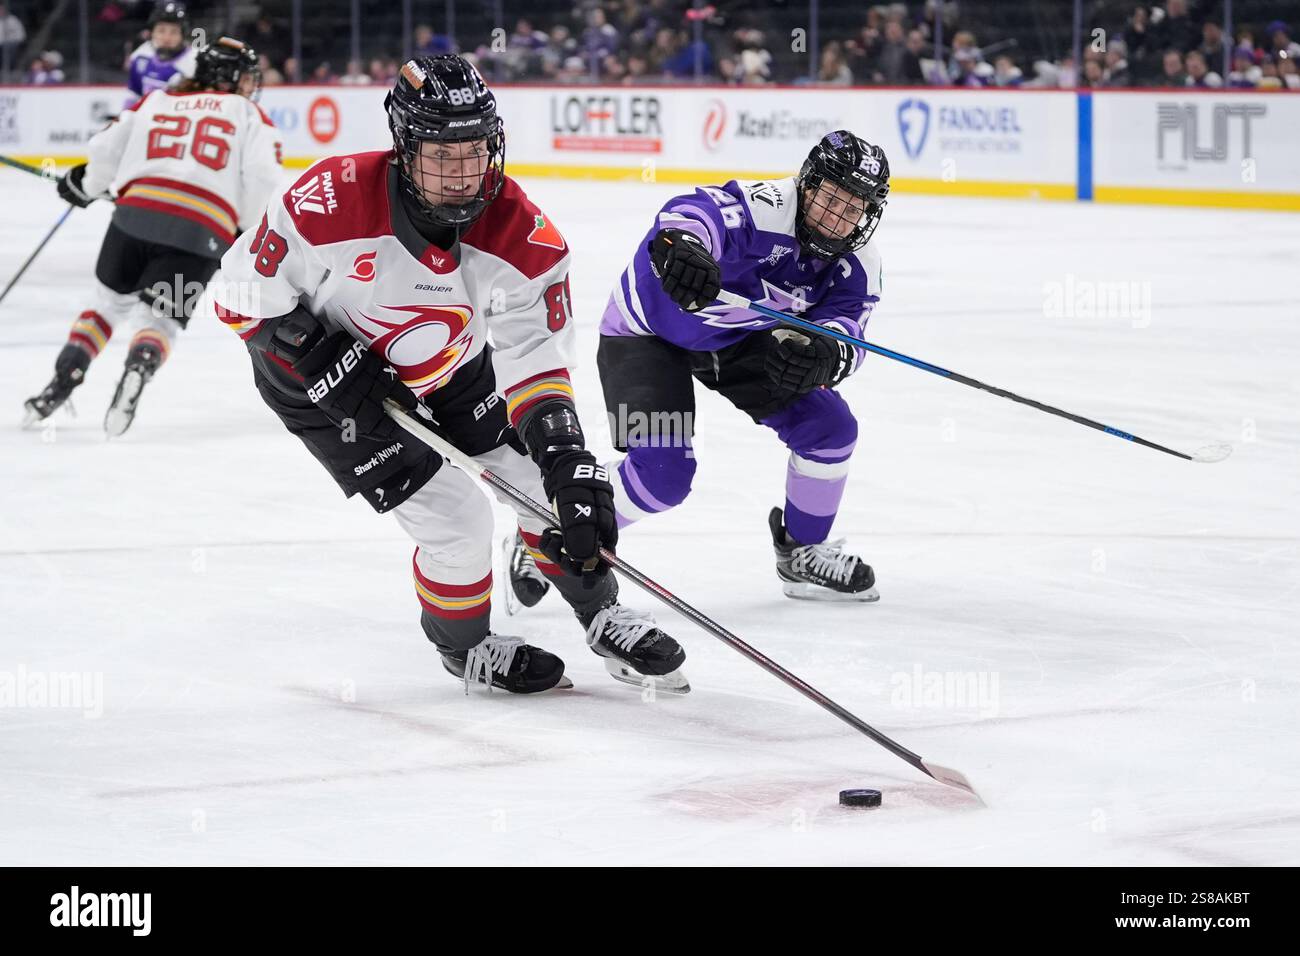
point(859, 798)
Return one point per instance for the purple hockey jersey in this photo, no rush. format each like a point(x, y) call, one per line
point(749, 227)
point(148, 71)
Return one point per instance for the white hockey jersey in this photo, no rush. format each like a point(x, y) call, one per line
point(189, 170)
point(339, 242)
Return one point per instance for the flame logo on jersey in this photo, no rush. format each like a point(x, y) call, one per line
point(424, 348)
point(363, 270)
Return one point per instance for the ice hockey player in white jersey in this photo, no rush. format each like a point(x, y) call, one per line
point(424, 274)
point(187, 169)
point(164, 60)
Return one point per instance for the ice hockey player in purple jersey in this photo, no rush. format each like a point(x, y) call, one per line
point(164, 59)
point(801, 245)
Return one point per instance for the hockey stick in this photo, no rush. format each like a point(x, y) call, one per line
point(1216, 451)
point(467, 464)
point(30, 259)
point(26, 168)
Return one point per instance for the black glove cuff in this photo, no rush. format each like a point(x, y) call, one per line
point(291, 338)
point(551, 430)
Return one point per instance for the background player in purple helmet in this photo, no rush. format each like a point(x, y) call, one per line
point(164, 59)
point(801, 245)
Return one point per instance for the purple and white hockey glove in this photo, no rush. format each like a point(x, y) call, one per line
point(689, 275)
point(799, 363)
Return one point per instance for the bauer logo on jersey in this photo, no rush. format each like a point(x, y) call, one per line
point(363, 269)
point(545, 234)
point(315, 195)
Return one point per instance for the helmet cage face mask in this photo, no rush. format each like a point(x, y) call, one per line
point(428, 113)
point(858, 170)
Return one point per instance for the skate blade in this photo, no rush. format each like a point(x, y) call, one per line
point(121, 413)
point(507, 553)
point(673, 683)
point(803, 591)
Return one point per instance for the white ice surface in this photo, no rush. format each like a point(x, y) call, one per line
point(269, 697)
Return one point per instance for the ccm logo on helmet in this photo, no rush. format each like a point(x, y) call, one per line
point(332, 378)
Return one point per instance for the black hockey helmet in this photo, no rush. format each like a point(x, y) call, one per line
point(443, 99)
point(223, 64)
point(855, 166)
point(170, 11)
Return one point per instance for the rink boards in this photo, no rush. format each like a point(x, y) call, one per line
point(1181, 147)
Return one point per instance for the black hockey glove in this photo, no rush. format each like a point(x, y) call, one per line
point(799, 363)
point(689, 275)
point(69, 185)
point(579, 491)
point(349, 383)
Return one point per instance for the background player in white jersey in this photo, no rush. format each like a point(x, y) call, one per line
point(382, 275)
point(800, 245)
point(164, 60)
point(187, 169)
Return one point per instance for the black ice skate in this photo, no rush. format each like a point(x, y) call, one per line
point(140, 366)
point(635, 650)
point(69, 372)
point(819, 572)
point(527, 584)
point(508, 663)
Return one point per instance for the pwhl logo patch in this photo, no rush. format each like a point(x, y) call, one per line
point(425, 346)
point(315, 195)
point(913, 125)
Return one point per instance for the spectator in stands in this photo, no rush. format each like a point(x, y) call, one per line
point(1094, 72)
point(270, 75)
point(383, 71)
point(1288, 72)
point(666, 46)
point(1213, 45)
point(637, 70)
point(323, 75)
point(1176, 31)
point(1139, 41)
point(1199, 74)
point(12, 36)
point(263, 36)
point(753, 64)
point(692, 57)
point(913, 73)
point(965, 57)
point(428, 43)
point(1006, 73)
point(600, 39)
point(1245, 73)
point(560, 46)
point(46, 70)
point(834, 71)
point(890, 57)
point(1116, 63)
point(526, 39)
point(1171, 70)
point(1280, 42)
point(862, 52)
point(355, 75)
point(292, 71)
